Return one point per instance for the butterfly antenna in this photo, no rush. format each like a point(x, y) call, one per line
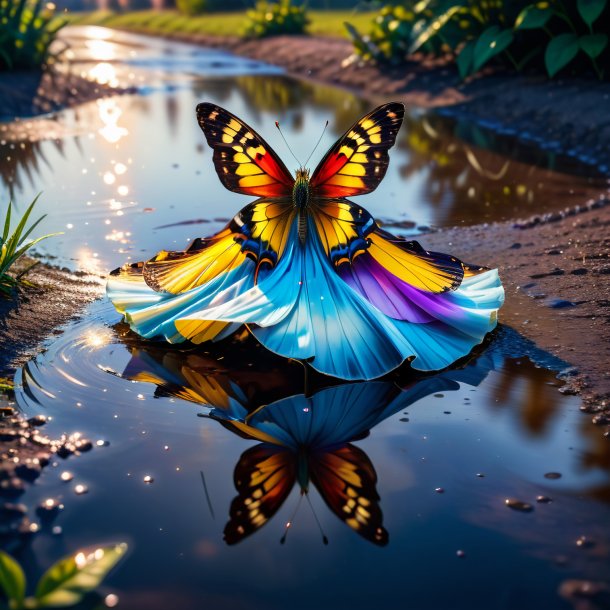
point(207, 495)
point(290, 521)
point(324, 538)
point(317, 143)
point(277, 124)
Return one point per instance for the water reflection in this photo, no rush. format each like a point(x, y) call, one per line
point(271, 431)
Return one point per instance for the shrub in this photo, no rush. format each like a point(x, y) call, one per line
point(13, 246)
point(549, 35)
point(27, 29)
point(192, 7)
point(273, 19)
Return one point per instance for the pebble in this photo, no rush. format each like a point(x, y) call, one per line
point(518, 505)
point(552, 475)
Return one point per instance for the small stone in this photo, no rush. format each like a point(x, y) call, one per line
point(518, 505)
point(552, 475)
point(543, 500)
point(584, 543)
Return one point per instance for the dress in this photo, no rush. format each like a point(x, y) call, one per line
point(307, 270)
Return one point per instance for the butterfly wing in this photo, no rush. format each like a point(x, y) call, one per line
point(346, 480)
point(264, 477)
point(357, 163)
point(347, 231)
point(244, 162)
point(258, 232)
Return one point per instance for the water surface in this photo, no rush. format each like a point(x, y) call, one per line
point(430, 460)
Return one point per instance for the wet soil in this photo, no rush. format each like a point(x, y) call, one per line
point(30, 93)
point(53, 297)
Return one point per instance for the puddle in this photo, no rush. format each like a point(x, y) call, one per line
point(408, 477)
point(431, 461)
point(124, 177)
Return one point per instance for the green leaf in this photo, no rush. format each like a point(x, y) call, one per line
point(533, 16)
point(433, 28)
point(593, 44)
point(464, 59)
point(65, 583)
point(560, 52)
point(12, 580)
point(491, 42)
point(590, 10)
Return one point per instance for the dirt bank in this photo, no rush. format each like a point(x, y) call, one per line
point(25, 94)
point(35, 312)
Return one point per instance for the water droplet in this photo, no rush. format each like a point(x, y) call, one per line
point(110, 601)
point(57, 530)
point(102, 443)
point(460, 553)
point(80, 489)
point(148, 479)
point(439, 490)
point(166, 447)
point(66, 476)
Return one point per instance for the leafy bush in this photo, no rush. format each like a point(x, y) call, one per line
point(27, 29)
point(273, 19)
point(64, 584)
point(549, 35)
point(13, 247)
point(192, 7)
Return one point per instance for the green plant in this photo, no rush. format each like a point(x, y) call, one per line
point(65, 583)
point(13, 246)
point(192, 7)
point(275, 18)
point(548, 35)
point(27, 29)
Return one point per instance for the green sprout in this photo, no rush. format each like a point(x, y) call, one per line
point(65, 583)
point(14, 246)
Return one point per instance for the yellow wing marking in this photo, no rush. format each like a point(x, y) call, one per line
point(409, 267)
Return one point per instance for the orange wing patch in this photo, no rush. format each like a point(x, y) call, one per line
point(244, 162)
point(357, 163)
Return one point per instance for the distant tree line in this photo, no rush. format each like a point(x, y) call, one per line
point(213, 5)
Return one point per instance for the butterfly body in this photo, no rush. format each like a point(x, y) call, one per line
point(311, 273)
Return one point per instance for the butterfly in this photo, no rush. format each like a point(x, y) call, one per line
point(308, 440)
point(308, 271)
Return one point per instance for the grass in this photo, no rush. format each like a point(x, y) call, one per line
point(322, 23)
point(13, 245)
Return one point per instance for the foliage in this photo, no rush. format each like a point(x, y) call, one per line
point(65, 583)
point(275, 18)
point(549, 34)
point(27, 29)
point(13, 246)
point(192, 7)
point(324, 23)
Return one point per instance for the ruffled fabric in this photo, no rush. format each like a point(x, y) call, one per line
point(359, 322)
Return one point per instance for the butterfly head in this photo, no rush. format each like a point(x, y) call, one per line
point(300, 190)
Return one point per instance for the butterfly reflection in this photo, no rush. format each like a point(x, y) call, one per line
point(305, 439)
